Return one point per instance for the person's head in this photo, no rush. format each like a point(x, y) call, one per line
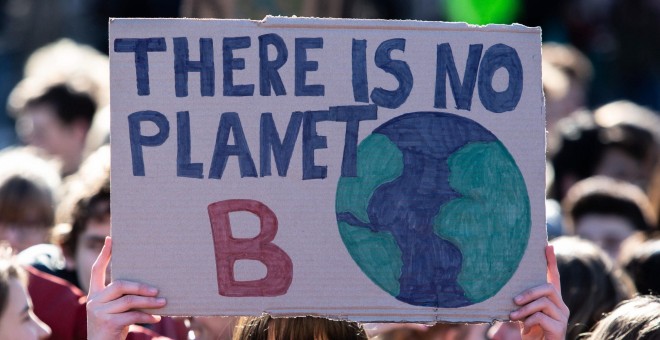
point(17, 319)
point(591, 283)
point(213, 327)
point(56, 119)
point(586, 145)
point(632, 139)
point(634, 319)
point(567, 74)
point(268, 328)
point(87, 210)
point(416, 331)
point(640, 257)
point(573, 149)
point(629, 154)
point(606, 211)
point(27, 197)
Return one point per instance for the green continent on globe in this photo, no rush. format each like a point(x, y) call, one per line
point(381, 162)
point(378, 256)
point(376, 253)
point(494, 202)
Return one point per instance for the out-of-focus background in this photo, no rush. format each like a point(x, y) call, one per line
point(620, 38)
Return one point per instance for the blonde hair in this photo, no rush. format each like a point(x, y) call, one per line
point(267, 328)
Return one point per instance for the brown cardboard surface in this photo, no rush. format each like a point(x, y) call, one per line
point(389, 198)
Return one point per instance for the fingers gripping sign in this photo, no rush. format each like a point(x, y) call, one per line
point(112, 308)
point(543, 312)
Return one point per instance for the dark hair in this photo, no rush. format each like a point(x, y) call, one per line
point(94, 206)
point(606, 196)
point(574, 150)
point(24, 202)
point(308, 327)
point(591, 284)
point(641, 260)
point(632, 140)
point(70, 105)
point(634, 319)
point(580, 144)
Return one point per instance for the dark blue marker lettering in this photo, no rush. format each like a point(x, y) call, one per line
point(229, 122)
point(399, 69)
point(311, 142)
point(270, 140)
point(268, 75)
point(360, 82)
point(498, 56)
point(183, 65)
point(229, 64)
point(303, 65)
point(445, 66)
point(352, 115)
point(184, 168)
point(141, 47)
point(138, 140)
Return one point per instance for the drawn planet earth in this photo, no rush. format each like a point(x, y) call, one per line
point(438, 214)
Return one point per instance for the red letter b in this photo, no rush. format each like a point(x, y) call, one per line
point(279, 268)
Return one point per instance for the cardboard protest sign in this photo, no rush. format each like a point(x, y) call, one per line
point(356, 169)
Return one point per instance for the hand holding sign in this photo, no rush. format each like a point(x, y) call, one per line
point(542, 315)
point(543, 312)
point(111, 309)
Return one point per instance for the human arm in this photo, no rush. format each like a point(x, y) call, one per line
point(111, 308)
point(543, 313)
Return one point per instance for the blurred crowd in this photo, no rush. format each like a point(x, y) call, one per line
point(601, 81)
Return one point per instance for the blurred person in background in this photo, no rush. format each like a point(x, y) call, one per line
point(308, 327)
point(55, 104)
point(591, 282)
point(573, 151)
point(634, 319)
point(582, 148)
point(633, 132)
point(28, 188)
point(607, 211)
point(212, 327)
point(58, 303)
point(439, 331)
point(27, 25)
point(640, 257)
point(56, 119)
point(90, 225)
point(17, 318)
point(567, 75)
point(85, 210)
point(65, 61)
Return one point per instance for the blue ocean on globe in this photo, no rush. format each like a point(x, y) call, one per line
point(438, 214)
